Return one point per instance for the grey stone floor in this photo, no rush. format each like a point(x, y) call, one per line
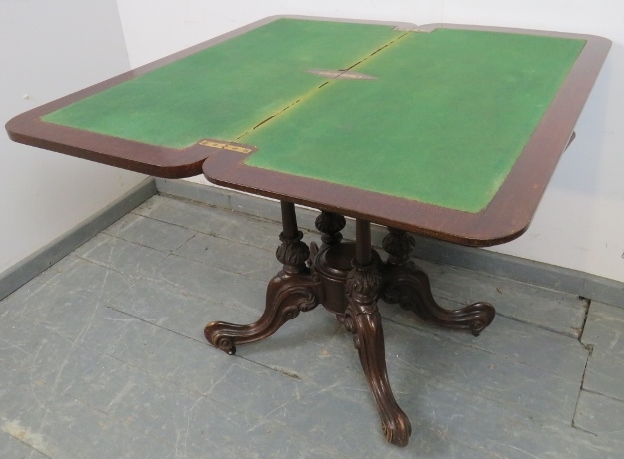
point(103, 356)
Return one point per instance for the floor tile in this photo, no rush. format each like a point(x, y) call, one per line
point(602, 417)
point(231, 256)
point(122, 256)
point(149, 232)
point(213, 221)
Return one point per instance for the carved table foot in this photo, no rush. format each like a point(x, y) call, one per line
point(287, 296)
point(408, 285)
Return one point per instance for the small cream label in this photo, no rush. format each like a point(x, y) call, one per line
point(225, 146)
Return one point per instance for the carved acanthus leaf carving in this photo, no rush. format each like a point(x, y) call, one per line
point(364, 281)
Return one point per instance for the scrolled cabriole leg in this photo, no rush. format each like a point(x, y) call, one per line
point(408, 285)
point(363, 320)
point(287, 296)
point(293, 290)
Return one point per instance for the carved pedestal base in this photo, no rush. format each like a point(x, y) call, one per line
point(348, 279)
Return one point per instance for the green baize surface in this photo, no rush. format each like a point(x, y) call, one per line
point(443, 123)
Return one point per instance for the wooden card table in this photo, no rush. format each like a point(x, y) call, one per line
point(442, 130)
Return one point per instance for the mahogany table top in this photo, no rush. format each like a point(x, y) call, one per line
point(444, 130)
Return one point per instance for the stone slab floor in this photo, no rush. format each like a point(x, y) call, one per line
point(103, 355)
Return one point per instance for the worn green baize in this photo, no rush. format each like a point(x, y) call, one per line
point(443, 121)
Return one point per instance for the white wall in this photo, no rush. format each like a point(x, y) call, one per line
point(580, 222)
point(47, 50)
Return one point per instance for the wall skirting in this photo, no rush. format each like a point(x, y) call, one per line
point(31, 266)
